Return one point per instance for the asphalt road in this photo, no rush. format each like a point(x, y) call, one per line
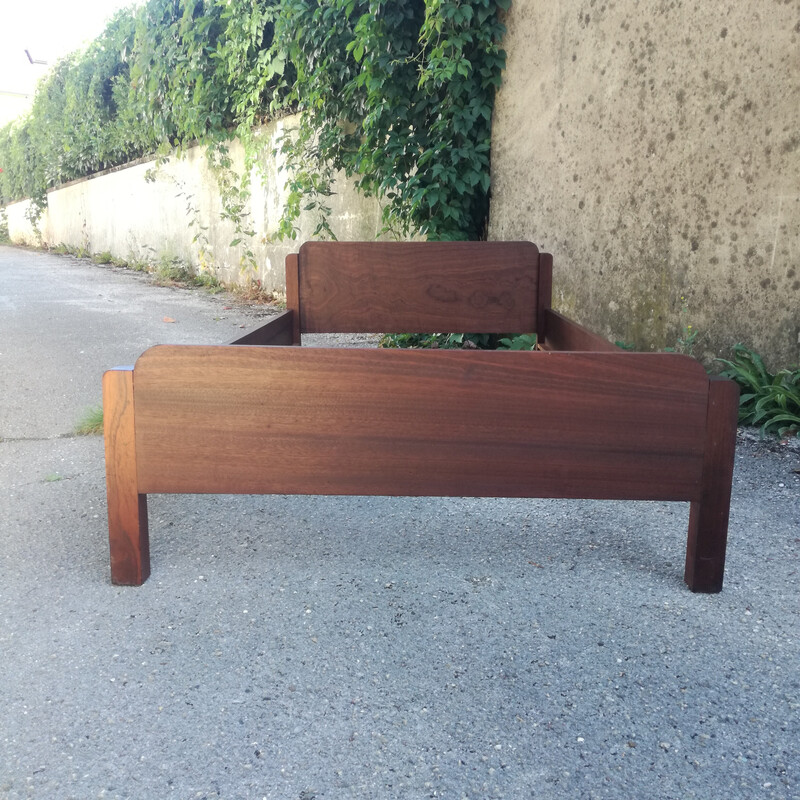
point(323, 648)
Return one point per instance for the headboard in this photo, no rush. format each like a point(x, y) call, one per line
point(378, 287)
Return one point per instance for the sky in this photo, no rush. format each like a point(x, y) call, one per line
point(48, 29)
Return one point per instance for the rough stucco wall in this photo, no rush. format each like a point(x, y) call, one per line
point(654, 149)
point(122, 213)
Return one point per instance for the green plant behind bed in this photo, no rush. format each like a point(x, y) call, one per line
point(771, 400)
point(460, 341)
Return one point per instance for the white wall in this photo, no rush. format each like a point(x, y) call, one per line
point(122, 213)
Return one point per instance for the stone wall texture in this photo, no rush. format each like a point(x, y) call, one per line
point(125, 214)
point(654, 149)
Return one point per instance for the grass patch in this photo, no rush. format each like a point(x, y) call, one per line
point(209, 282)
point(170, 271)
point(91, 423)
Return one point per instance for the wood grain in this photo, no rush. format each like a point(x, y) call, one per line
point(279, 330)
point(708, 516)
point(564, 334)
point(394, 422)
point(544, 295)
point(127, 506)
point(418, 287)
point(293, 295)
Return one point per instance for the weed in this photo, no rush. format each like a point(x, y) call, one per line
point(523, 341)
point(138, 264)
point(254, 293)
point(5, 236)
point(460, 341)
point(171, 270)
point(207, 281)
point(79, 251)
point(102, 258)
point(53, 477)
point(688, 335)
point(771, 400)
point(91, 423)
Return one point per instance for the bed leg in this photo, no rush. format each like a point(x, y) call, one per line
point(708, 517)
point(127, 509)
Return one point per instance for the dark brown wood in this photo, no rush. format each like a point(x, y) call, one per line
point(293, 295)
point(544, 295)
point(278, 330)
point(592, 422)
point(366, 422)
point(708, 516)
point(127, 506)
point(418, 287)
point(564, 334)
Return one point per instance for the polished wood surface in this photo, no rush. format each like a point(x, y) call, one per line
point(592, 421)
point(564, 334)
point(338, 421)
point(127, 507)
point(544, 295)
point(417, 287)
point(708, 516)
point(278, 330)
point(293, 295)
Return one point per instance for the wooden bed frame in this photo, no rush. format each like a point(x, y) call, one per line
point(578, 419)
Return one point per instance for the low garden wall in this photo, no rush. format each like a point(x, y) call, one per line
point(143, 214)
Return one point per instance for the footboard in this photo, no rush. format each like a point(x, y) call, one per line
point(398, 422)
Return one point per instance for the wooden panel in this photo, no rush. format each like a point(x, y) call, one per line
point(708, 517)
point(418, 287)
point(545, 293)
point(293, 295)
point(395, 422)
point(564, 334)
point(279, 330)
point(127, 508)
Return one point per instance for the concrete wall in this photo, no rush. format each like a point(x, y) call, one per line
point(654, 148)
point(122, 213)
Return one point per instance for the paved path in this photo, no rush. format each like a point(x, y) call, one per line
point(299, 648)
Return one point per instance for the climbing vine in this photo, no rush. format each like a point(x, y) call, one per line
point(397, 96)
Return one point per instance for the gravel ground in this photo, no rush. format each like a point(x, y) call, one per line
point(310, 648)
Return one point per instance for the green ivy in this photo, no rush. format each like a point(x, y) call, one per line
point(397, 95)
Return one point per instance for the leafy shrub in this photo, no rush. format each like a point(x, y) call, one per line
point(459, 341)
point(398, 95)
point(767, 399)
